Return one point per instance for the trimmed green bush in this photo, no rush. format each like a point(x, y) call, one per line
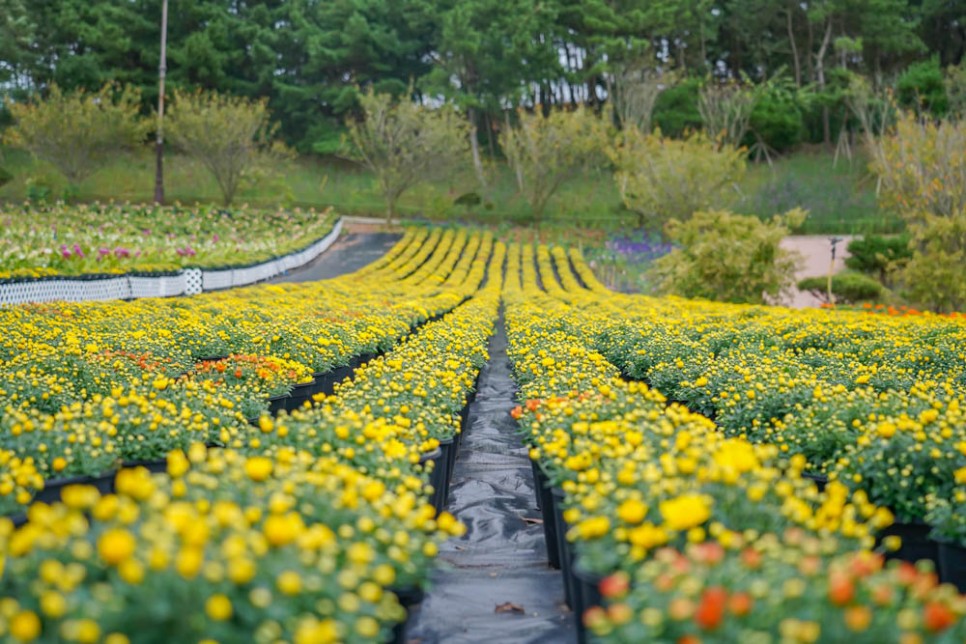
point(848, 287)
point(722, 256)
point(922, 87)
point(676, 109)
point(777, 119)
point(874, 254)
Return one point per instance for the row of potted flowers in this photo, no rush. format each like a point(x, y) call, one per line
point(309, 527)
point(700, 536)
point(114, 238)
point(877, 403)
point(85, 387)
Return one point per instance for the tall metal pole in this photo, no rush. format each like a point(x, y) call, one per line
point(831, 268)
point(159, 139)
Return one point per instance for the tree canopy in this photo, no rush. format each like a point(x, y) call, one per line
point(311, 59)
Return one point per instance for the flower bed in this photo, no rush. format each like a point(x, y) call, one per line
point(649, 487)
point(99, 239)
point(679, 442)
point(876, 402)
point(89, 386)
point(307, 527)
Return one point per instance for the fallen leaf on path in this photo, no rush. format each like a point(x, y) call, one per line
point(509, 607)
point(532, 521)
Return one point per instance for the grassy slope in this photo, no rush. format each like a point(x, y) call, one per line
point(841, 199)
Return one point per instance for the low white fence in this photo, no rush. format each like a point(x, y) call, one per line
point(188, 281)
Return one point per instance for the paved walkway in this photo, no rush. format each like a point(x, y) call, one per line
point(353, 250)
point(816, 255)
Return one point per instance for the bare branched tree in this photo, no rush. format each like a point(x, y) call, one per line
point(634, 90)
point(725, 109)
point(404, 144)
point(232, 137)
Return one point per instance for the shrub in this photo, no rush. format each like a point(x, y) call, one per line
point(230, 136)
point(777, 120)
point(922, 88)
point(726, 109)
point(921, 166)
point(78, 132)
point(661, 179)
point(544, 152)
point(848, 287)
point(733, 258)
point(875, 255)
point(955, 89)
point(405, 144)
point(676, 109)
point(935, 277)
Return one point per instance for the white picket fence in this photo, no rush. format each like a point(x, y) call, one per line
point(189, 281)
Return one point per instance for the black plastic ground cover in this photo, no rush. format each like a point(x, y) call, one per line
point(348, 254)
point(576, 273)
point(493, 584)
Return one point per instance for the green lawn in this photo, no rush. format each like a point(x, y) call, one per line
point(841, 199)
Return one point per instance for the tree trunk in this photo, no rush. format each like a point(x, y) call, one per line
point(489, 135)
point(820, 72)
point(809, 45)
point(517, 169)
point(796, 62)
point(475, 147)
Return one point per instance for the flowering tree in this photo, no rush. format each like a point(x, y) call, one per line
point(78, 132)
point(404, 144)
point(230, 136)
point(544, 152)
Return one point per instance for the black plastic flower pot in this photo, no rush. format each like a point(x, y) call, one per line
point(464, 422)
point(539, 481)
point(409, 598)
point(325, 382)
point(446, 462)
point(545, 503)
point(587, 595)
point(298, 396)
point(916, 543)
point(277, 403)
point(53, 488)
point(563, 547)
point(436, 476)
point(820, 480)
point(952, 564)
point(155, 466)
point(451, 462)
point(465, 411)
